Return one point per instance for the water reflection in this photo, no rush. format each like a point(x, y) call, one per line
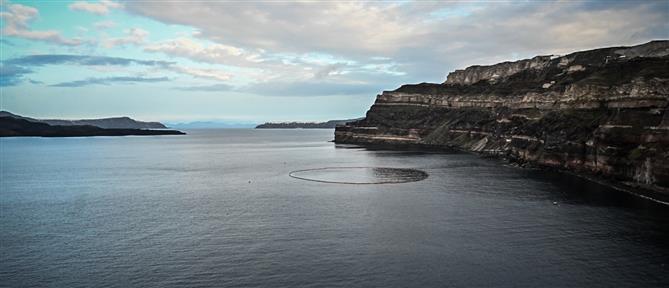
point(360, 175)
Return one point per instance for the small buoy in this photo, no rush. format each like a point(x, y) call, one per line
point(249, 181)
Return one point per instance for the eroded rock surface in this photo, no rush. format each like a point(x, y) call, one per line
point(602, 112)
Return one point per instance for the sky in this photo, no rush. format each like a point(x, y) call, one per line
point(257, 61)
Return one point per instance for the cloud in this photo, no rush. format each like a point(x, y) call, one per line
point(287, 26)
point(17, 18)
point(103, 61)
point(291, 89)
point(311, 88)
point(11, 75)
point(329, 70)
point(134, 36)
point(214, 53)
point(7, 42)
point(423, 40)
point(212, 74)
point(263, 66)
point(99, 8)
point(338, 48)
point(14, 69)
point(110, 80)
point(107, 24)
point(207, 88)
point(85, 60)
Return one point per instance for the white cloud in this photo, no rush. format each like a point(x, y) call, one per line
point(134, 36)
point(214, 53)
point(425, 40)
point(17, 18)
point(99, 8)
point(296, 27)
point(263, 66)
point(101, 25)
point(210, 74)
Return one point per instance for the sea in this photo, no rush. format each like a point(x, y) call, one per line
point(219, 208)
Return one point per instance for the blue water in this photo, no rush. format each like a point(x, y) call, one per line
point(217, 208)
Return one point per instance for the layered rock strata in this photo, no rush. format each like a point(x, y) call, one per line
point(599, 112)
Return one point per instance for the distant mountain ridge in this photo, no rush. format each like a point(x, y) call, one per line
point(106, 123)
point(210, 125)
point(14, 126)
point(305, 125)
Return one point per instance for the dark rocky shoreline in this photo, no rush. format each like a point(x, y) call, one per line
point(107, 123)
point(15, 127)
point(600, 114)
point(655, 194)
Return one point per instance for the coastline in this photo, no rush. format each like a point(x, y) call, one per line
point(601, 114)
point(654, 194)
point(16, 127)
point(111, 133)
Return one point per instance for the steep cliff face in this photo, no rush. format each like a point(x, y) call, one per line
point(602, 112)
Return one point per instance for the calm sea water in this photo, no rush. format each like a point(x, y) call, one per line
point(217, 208)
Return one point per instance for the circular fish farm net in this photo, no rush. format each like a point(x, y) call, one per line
point(360, 175)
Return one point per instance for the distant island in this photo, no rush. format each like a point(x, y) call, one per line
point(12, 125)
point(210, 125)
point(305, 125)
point(107, 123)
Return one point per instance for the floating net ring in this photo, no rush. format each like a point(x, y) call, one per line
point(359, 175)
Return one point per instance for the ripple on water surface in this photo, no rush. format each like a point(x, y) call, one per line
point(360, 175)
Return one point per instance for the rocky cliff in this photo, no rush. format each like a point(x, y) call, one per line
point(599, 112)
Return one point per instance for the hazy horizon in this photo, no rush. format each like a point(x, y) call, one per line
point(256, 62)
